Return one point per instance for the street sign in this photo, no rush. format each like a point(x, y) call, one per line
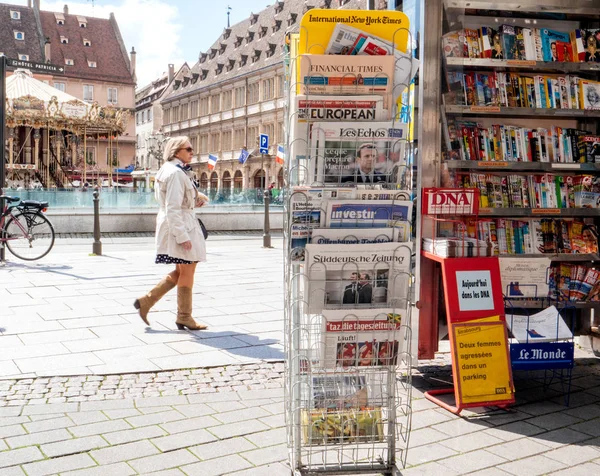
point(35, 67)
point(264, 144)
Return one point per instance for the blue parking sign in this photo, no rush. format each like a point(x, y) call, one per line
point(264, 144)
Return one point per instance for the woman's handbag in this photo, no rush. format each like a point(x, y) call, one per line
point(204, 230)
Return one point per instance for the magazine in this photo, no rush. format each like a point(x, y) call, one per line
point(306, 207)
point(357, 152)
point(361, 337)
point(522, 277)
point(455, 247)
point(340, 75)
point(335, 236)
point(345, 391)
point(320, 427)
point(366, 214)
point(358, 276)
point(545, 326)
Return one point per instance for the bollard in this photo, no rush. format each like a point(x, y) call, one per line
point(97, 247)
point(267, 230)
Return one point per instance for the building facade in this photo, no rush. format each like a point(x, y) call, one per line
point(235, 92)
point(97, 68)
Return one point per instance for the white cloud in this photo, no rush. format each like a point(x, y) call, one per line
point(150, 26)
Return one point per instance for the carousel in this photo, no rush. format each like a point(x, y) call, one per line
point(52, 136)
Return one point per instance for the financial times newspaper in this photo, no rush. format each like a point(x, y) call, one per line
point(362, 337)
point(366, 214)
point(358, 153)
point(358, 276)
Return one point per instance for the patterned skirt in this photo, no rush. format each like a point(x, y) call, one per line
point(166, 259)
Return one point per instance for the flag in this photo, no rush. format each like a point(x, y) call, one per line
point(243, 156)
point(280, 157)
point(212, 161)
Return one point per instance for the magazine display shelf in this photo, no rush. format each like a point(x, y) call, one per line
point(549, 351)
point(348, 360)
point(559, 15)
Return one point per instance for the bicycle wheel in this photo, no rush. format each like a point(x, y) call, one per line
point(29, 235)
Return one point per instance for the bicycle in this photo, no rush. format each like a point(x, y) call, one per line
point(24, 229)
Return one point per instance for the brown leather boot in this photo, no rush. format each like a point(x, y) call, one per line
point(145, 303)
point(184, 310)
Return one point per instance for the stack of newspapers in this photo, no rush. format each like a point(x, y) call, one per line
point(456, 247)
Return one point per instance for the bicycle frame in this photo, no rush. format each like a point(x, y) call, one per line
point(5, 214)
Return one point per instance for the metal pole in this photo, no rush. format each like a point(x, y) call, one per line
point(97, 246)
point(2, 148)
point(267, 227)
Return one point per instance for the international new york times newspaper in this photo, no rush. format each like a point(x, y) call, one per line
point(358, 153)
point(357, 276)
point(362, 337)
point(366, 214)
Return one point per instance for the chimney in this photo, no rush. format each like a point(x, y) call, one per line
point(132, 55)
point(66, 9)
point(47, 50)
point(28, 3)
point(171, 72)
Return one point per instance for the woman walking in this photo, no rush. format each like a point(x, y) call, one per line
point(179, 239)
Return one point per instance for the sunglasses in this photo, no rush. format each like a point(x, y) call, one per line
point(189, 149)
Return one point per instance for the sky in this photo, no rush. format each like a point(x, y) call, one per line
point(162, 31)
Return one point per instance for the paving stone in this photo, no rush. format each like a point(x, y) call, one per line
point(571, 456)
point(119, 453)
point(128, 436)
point(99, 428)
point(117, 469)
point(38, 438)
point(12, 430)
point(169, 460)
point(532, 466)
point(242, 415)
point(72, 446)
point(472, 461)
point(20, 456)
point(235, 429)
point(82, 418)
point(189, 424)
point(270, 454)
point(521, 448)
point(155, 418)
point(216, 467)
point(59, 465)
point(222, 448)
point(183, 440)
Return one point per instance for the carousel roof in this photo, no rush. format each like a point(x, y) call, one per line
point(31, 102)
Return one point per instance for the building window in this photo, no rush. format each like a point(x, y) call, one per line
point(262, 31)
point(204, 144)
point(90, 155)
point(23, 57)
point(292, 19)
point(239, 139)
point(15, 15)
point(64, 40)
point(137, 118)
point(240, 96)
point(185, 110)
point(88, 92)
point(167, 116)
point(253, 18)
point(194, 109)
point(69, 62)
point(226, 100)
point(215, 139)
point(60, 86)
point(92, 64)
point(112, 154)
point(280, 133)
point(238, 41)
point(250, 37)
point(252, 137)
point(268, 89)
point(204, 106)
point(269, 129)
point(175, 114)
point(226, 140)
point(276, 25)
point(112, 96)
point(60, 18)
point(87, 42)
point(194, 143)
point(149, 114)
point(82, 22)
point(280, 86)
point(19, 35)
point(215, 103)
point(253, 93)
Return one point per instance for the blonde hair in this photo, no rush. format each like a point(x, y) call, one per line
point(172, 145)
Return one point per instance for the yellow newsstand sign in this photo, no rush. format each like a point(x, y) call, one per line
point(482, 372)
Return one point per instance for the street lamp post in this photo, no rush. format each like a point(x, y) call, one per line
point(155, 147)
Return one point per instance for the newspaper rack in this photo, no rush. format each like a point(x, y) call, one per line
point(348, 324)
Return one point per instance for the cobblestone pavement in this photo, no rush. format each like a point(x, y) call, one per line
point(84, 388)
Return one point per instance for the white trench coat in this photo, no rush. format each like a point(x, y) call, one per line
point(176, 221)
